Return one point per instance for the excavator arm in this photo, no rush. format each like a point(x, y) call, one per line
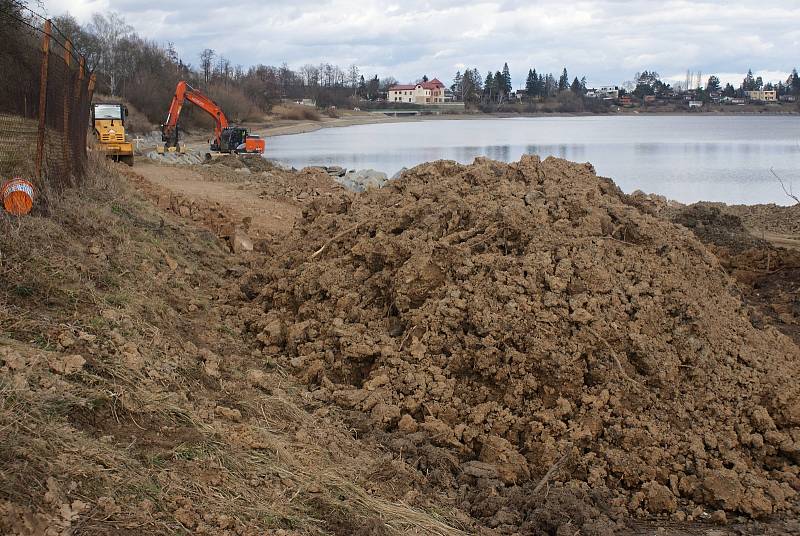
point(185, 92)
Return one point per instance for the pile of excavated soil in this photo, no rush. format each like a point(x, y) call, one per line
point(768, 275)
point(271, 181)
point(713, 224)
point(770, 218)
point(546, 352)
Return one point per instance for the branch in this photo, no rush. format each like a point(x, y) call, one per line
point(783, 187)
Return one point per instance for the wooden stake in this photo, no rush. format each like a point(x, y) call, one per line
point(67, 106)
point(43, 98)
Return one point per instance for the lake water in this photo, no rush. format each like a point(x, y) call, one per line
point(686, 158)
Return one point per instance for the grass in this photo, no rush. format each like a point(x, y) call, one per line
point(115, 430)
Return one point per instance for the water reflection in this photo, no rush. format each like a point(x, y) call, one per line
point(685, 158)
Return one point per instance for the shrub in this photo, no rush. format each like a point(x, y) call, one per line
point(296, 112)
point(236, 105)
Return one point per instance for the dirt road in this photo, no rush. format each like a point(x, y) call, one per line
point(269, 216)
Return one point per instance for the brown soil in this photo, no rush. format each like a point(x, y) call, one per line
point(546, 352)
point(751, 244)
point(488, 349)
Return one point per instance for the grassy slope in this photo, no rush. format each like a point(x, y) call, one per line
point(133, 401)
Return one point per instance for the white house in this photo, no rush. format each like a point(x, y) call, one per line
point(431, 92)
point(763, 96)
point(604, 92)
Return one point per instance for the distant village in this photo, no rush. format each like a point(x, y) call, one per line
point(646, 90)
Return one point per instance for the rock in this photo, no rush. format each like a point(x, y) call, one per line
point(660, 499)
point(407, 424)
point(722, 488)
point(230, 414)
point(172, 263)
point(385, 413)
point(719, 517)
point(240, 242)
point(66, 339)
point(68, 364)
point(479, 469)
point(363, 180)
point(761, 420)
point(511, 466)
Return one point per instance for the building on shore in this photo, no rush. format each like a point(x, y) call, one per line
point(604, 92)
point(431, 92)
point(767, 95)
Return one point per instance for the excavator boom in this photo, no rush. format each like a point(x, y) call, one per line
point(226, 138)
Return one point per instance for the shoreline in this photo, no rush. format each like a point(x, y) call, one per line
point(291, 127)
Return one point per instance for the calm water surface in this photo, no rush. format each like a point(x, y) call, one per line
point(687, 158)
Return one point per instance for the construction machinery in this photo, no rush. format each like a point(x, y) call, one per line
point(108, 121)
point(227, 138)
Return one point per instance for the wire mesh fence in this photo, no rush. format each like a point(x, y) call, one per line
point(45, 95)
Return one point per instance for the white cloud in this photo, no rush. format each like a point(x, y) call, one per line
point(606, 40)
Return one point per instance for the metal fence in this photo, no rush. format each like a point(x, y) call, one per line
point(45, 94)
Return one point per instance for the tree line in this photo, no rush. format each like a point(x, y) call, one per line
point(649, 83)
point(145, 73)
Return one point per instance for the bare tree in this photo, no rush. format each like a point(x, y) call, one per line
point(789, 193)
point(206, 61)
point(110, 31)
point(353, 77)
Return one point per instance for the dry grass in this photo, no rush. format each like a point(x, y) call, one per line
point(297, 112)
point(134, 440)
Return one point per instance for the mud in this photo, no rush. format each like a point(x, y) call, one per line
point(546, 350)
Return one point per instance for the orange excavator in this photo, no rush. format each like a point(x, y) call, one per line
point(227, 139)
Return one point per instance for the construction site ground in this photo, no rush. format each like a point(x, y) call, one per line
point(486, 349)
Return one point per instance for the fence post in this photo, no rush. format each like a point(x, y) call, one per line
point(43, 98)
point(67, 105)
point(78, 97)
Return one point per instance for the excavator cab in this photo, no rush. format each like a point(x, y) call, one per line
point(231, 138)
point(239, 140)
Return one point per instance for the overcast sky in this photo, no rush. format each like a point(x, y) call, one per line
point(605, 40)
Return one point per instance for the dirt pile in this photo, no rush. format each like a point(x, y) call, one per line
point(272, 181)
point(546, 352)
point(744, 239)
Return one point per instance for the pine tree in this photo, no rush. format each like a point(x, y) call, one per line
point(506, 80)
point(488, 87)
point(362, 87)
point(499, 86)
point(457, 88)
point(794, 82)
point(563, 81)
point(749, 83)
point(576, 86)
point(530, 84)
point(729, 90)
